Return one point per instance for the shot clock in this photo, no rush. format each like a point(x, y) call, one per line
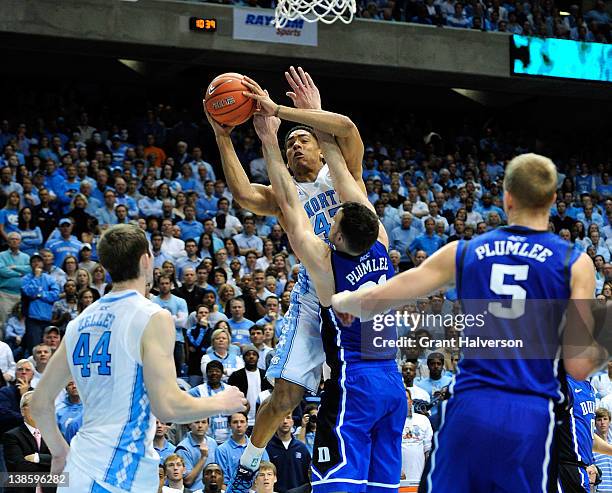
point(203, 24)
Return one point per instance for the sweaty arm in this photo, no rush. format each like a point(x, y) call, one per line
point(342, 127)
point(347, 188)
point(54, 379)
point(332, 123)
point(311, 250)
point(259, 199)
point(434, 273)
point(168, 402)
point(582, 354)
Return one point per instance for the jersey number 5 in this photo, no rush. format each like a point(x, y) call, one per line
point(497, 285)
point(82, 357)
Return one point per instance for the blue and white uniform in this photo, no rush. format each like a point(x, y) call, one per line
point(575, 432)
point(518, 280)
point(358, 444)
point(299, 351)
point(112, 451)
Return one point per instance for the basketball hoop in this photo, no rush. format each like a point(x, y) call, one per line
point(327, 11)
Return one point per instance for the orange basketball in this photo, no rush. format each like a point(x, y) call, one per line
point(225, 102)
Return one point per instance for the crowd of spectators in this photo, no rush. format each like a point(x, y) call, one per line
point(226, 274)
point(542, 18)
point(530, 18)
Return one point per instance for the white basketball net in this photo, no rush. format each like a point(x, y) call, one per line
point(327, 11)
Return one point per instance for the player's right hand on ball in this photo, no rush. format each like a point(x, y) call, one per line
point(231, 400)
point(220, 130)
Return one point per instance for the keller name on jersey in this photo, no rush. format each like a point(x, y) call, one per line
point(502, 248)
point(366, 266)
point(97, 319)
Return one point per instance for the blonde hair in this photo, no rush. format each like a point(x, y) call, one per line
point(264, 465)
point(174, 457)
point(216, 333)
point(532, 180)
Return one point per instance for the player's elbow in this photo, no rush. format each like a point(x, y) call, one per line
point(347, 127)
point(162, 411)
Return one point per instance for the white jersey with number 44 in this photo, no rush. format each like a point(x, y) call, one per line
point(114, 446)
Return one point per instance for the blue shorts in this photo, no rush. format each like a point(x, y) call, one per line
point(492, 441)
point(299, 354)
point(358, 444)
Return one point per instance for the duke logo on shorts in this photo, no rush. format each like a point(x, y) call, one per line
point(113, 450)
point(358, 444)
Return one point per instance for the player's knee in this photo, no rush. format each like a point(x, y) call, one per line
point(285, 398)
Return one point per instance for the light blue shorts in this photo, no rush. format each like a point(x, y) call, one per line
point(299, 354)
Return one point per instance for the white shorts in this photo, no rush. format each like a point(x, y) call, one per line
point(299, 352)
point(80, 482)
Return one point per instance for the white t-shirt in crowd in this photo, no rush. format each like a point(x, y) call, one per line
point(416, 441)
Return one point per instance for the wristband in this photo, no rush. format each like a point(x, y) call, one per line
point(277, 110)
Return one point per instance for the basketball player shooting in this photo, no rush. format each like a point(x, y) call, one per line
point(500, 415)
point(119, 352)
point(358, 257)
point(299, 355)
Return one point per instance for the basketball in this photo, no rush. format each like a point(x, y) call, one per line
point(225, 102)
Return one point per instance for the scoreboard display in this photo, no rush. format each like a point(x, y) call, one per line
point(548, 57)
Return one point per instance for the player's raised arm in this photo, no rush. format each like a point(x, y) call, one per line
point(168, 402)
point(310, 113)
point(305, 95)
point(254, 197)
point(309, 248)
point(347, 188)
point(42, 406)
point(434, 273)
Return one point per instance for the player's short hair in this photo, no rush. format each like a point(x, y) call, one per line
point(532, 180)
point(308, 129)
point(173, 457)
point(265, 465)
point(359, 226)
point(120, 249)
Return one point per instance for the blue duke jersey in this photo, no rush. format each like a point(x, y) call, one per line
point(114, 447)
point(575, 434)
point(514, 265)
point(363, 409)
point(355, 343)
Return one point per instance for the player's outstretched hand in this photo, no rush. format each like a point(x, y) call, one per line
point(231, 400)
point(266, 127)
point(220, 130)
point(305, 94)
point(265, 105)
